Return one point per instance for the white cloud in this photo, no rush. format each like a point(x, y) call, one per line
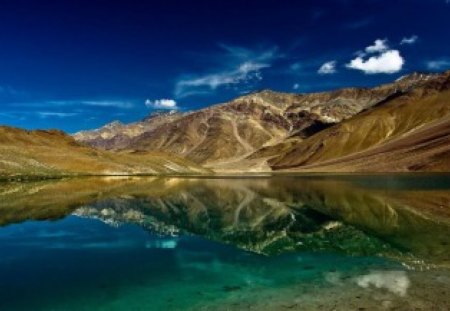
point(410, 40)
point(296, 86)
point(242, 66)
point(378, 46)
point(161, 103)
point(327, 68)
point(438, 64)
point(387, 62)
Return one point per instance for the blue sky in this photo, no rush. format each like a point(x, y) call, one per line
point(78, 64)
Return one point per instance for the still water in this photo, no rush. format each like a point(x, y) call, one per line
point(259, 243)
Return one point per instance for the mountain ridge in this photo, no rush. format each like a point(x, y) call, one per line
point(52, 153)
point(400, 117)
point(247, 132)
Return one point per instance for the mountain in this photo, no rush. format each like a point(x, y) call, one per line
point(410, 132)
point(268, 130)
point(54, 153)
point(117, 135)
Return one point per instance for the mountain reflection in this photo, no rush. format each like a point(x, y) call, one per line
point(407, 217)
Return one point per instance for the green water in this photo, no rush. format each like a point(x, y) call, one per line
point(260, 243)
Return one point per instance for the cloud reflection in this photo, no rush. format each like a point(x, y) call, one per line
point(396, 282)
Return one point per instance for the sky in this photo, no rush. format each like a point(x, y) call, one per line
point(77, 65)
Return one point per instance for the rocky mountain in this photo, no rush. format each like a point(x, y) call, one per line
point(407, 133)
point(267, 130)
point(54, 153)
point(116, 135)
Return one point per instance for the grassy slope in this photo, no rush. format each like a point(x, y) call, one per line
point(53, 153)
point(404, 117)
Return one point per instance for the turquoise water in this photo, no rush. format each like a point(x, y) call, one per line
point(225, 244)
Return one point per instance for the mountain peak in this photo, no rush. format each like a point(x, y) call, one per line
point(262, 93)
point(417, 76)
point(114, 124)
point(159, 113)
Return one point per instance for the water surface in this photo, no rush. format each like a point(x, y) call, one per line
point(267, 243)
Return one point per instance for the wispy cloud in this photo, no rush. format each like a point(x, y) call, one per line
point(438, 64)
point(109, 103)
point(64, 103)
point(385, 59)
point(41, 114)
point(409, 40)
point(243, 73)
point(378, 46)
point(327, 68)
point(46, 114)
point(242, 67)
point(59, 108)
point(161, 104)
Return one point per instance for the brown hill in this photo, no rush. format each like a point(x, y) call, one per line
point(268, 130)
point(229, 132)
point(117, 135)
point(408, 133)
point(53, 153)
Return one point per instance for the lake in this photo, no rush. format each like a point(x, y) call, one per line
point(317, 242)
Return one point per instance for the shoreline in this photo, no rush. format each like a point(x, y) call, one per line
point(20, 178)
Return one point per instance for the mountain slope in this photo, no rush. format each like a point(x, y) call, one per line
point(230, 132)
point(410, 132)
point(116, 135)
point(53, 153)
point(427, 149)
point(267, 130)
